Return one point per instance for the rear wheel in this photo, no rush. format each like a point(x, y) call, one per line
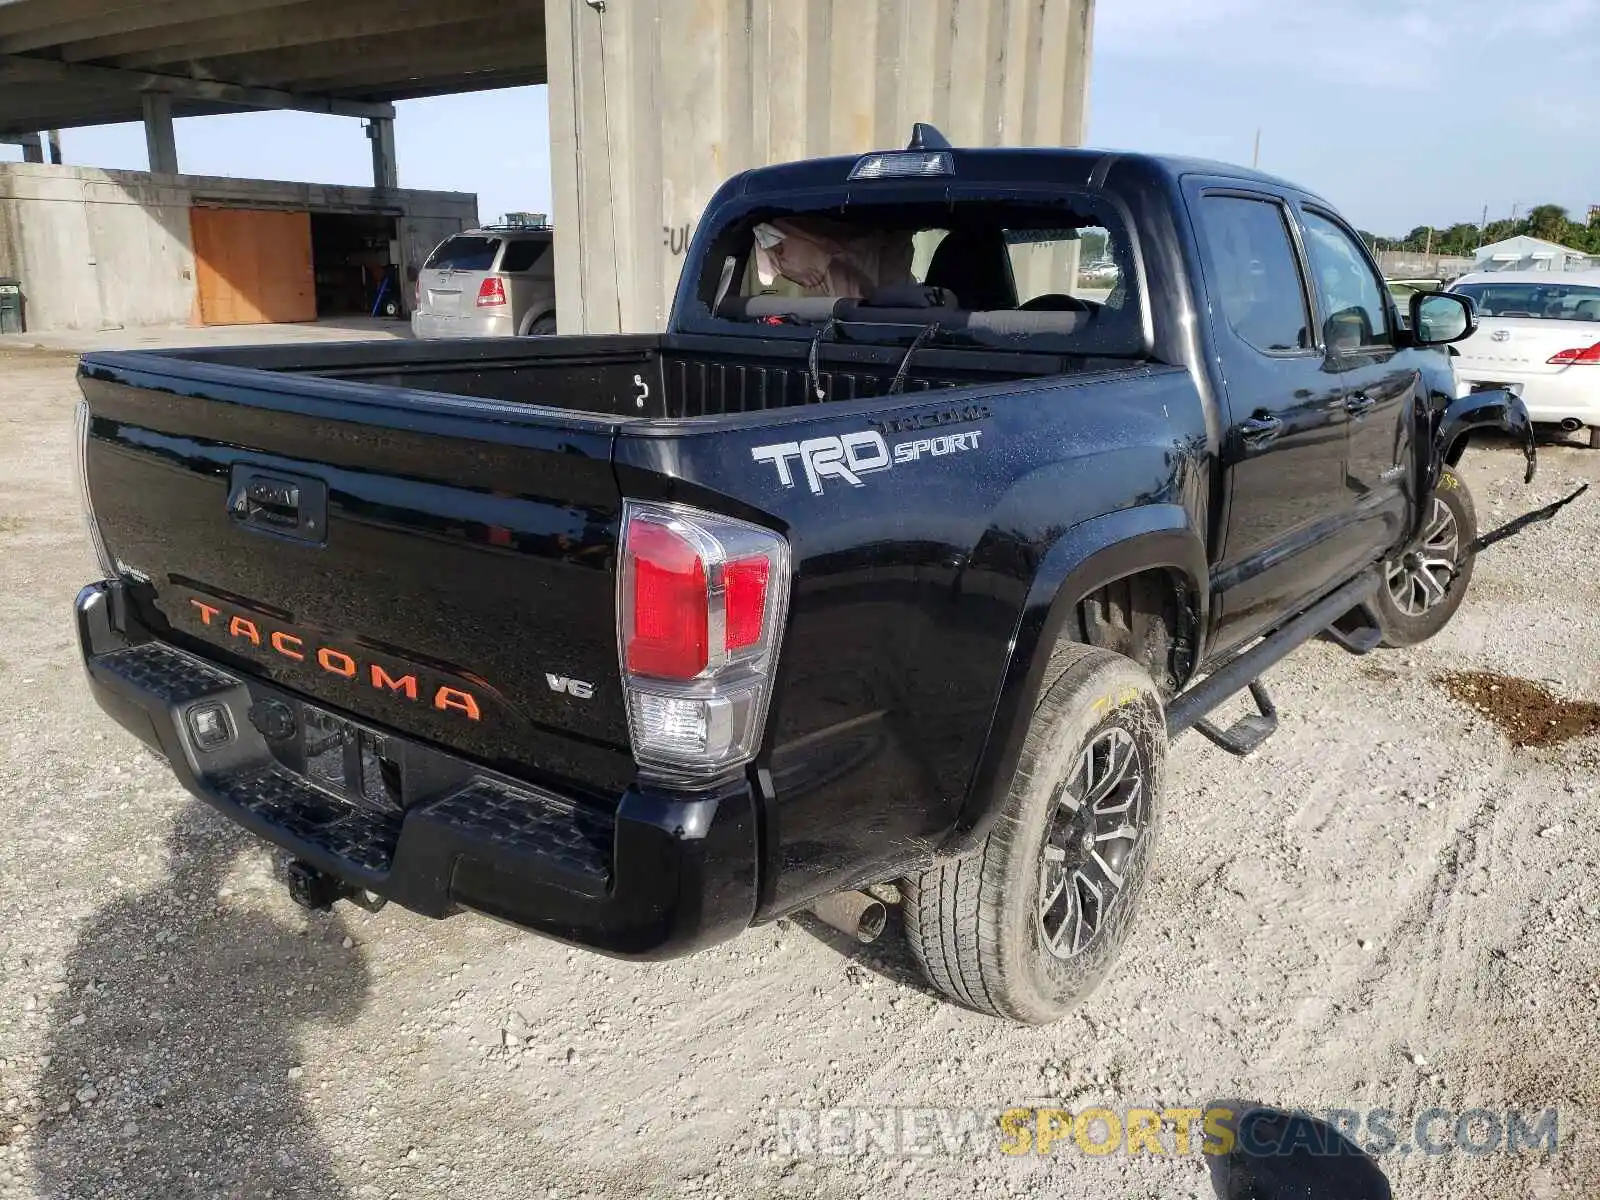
point(1423, 588)
point(543, 327)
point(1028, 926)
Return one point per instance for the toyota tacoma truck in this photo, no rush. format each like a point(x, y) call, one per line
point(959, 483)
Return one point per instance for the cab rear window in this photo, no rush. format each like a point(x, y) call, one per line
point(1056, 275)
point(464, 254)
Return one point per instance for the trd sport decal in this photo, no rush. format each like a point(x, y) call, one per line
point(852, 455)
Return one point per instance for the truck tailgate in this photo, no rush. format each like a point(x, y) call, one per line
point(439, 565)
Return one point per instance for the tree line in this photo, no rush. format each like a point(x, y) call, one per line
point(1549, 222)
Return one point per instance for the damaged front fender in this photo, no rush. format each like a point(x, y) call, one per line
point(1494, 409)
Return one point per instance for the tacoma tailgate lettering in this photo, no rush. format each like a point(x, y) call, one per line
point(399, 682)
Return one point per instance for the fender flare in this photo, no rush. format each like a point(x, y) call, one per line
point(1083, 559)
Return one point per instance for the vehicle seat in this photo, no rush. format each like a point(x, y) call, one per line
point(1588, 310)
point(975, 265)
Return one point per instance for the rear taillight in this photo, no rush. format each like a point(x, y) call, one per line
point(1585, 356)
point(108, 564)
point(701, 603)
point(492, 293)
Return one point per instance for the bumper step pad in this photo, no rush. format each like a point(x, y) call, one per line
point(472, 809)
point(519, 820)
point(169, 674)
point(363, 837)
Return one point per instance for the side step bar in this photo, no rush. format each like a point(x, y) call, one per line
point(1188, 709)
point(1357, 631)
point(1250, 730)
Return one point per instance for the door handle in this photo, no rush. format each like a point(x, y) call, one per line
point(1358, 404)
point(1260, 429)
point(285, 506)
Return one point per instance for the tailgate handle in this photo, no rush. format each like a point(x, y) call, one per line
point(288, 506)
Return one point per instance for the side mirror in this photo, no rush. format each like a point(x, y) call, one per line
point(1439, 318)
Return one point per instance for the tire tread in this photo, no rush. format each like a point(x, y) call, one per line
point(955, 912)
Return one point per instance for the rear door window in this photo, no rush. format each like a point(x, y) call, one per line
point(464, 254)
point(521, 256)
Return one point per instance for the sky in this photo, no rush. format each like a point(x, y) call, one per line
point(1401, 112)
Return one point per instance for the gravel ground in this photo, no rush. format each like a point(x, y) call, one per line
point(1388, 905)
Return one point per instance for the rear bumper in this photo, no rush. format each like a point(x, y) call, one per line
point(662, 875)
point(1573, 393)
point(429, 326)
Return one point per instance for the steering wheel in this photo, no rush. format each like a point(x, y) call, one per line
point(1054, 302)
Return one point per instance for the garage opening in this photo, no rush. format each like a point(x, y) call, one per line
point(355, 256)
point(260, 266)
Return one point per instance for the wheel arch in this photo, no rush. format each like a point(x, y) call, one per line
point(1156, 544)
point(533, 317)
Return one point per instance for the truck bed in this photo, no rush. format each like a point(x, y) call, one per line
point(642, 376)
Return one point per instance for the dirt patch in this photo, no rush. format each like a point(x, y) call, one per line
point(1530, 714)
point(10, 524)
point(1381, 674)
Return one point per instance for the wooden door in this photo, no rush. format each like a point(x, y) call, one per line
point(253, 266)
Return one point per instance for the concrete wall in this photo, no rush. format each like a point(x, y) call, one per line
point(1404, 264)
point(107, 249)
point(93, 251)
point(653, 103)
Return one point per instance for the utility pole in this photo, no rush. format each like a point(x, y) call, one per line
point(1255, 159)
point(1483, 227)
point(1427, 251)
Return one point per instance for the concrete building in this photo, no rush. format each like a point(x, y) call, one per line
point(1525, 253)
point(653, 102)
point(100, 249)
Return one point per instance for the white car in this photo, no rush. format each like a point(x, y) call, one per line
point(1539, 334)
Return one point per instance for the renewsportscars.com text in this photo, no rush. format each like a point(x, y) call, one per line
point(1160, 1132)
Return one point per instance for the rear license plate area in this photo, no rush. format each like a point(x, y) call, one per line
point(1484, 385)
point(339, 756)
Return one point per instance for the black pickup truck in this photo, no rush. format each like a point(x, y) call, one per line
point(961, 481)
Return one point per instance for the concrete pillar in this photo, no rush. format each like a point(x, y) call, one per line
point(32, 148)
point(53, 140)
point(653, 103)
point(385, 168)
point(159, 139)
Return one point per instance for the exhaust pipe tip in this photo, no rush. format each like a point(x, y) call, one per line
point(1571, 425)
point(854, 914)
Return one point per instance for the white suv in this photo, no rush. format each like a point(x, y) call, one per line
point(499, 281)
